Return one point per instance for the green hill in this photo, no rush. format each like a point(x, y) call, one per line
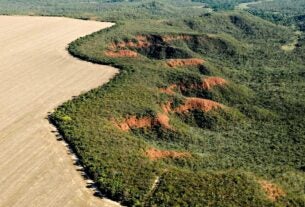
point(207, 110)
point(248, 139)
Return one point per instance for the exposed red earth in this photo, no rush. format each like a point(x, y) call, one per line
point(198, 103)
point(171, 38)
point(207, 83)
point(121, 53)
point(210, 82)
point(184, 62)
point(169, 89)
point(272, 191)
point(144, 122)
point(141, 42)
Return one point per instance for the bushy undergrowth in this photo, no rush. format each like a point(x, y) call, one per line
point(208, 189)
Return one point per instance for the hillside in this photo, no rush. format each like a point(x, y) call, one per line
point(160, 114)
point(207, 109)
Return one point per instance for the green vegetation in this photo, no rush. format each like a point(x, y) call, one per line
point(281, 11)
point(258, 135)
point(233, 189)
point(110, 10)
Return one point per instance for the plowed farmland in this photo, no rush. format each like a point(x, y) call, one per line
point(36, 75)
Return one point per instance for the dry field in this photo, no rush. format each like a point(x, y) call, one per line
point(36, 75)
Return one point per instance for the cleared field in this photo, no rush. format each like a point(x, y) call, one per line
point(247, 4)
point(36, 75)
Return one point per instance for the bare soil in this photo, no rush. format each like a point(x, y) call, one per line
point(36, 75)
point(198, 103)
point(144, 122)
point(141, 42)
point(121, 53)
point(169, 89)
point(272, 191)
point(210, 82)
point(184, 62)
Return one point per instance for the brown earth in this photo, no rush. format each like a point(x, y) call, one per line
point(184, 62)
point(154, 154)
point(144, 41)
point(134, 122)
point(167, 107)
point(191, 104)
point(141, 42)
point(170, 38)
point(121, 53)
point(198, 103)
point(169, 89)
point(273, 191)
point(180, 87)
point(36, 75)
point(144, 122)
point(210, 82)
point(163, 120)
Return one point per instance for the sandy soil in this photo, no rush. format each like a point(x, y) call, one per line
point(36, 75)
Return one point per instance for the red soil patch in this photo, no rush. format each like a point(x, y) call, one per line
point(121, 53)
point(167, 107)
point(198, 103)
point(207, 84)
point(170, 38)
point(183, 87)
point(134, 122)
point(145, 122)
point(184, 62)
point(154, 154)
point(210, 82)
point(169, 89)
point(273, 192)
point(163, 120)
point(141, 42)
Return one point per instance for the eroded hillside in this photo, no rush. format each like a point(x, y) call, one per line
point(196, 102)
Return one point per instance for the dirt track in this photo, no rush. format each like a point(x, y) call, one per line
point(36, 75)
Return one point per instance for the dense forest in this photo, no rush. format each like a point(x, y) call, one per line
point(282, 11)
point(208, 108)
